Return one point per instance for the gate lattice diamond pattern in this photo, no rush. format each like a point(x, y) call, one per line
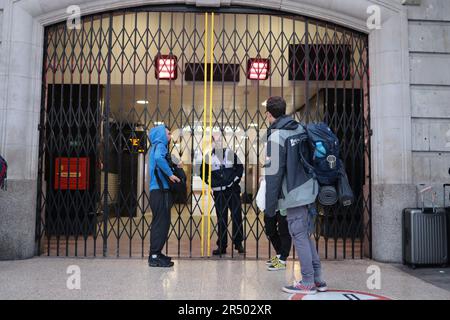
point(101, 98)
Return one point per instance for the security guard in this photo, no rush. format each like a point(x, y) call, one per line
point(226, 174)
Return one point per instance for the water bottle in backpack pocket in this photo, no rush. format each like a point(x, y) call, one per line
point(320, 151)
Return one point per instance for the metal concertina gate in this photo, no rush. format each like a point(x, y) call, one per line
point(106, 84)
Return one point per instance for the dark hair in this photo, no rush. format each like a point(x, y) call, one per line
point(276, 106)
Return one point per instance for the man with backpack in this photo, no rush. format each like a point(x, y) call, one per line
point(293, 189)
point(161, 174)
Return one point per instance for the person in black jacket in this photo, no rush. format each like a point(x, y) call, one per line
point(294, 189)
point(226, 174)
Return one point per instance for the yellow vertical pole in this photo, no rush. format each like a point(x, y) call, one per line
point(205, 80)
point(211, 56)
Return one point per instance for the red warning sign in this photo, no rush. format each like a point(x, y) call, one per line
point(72, 174)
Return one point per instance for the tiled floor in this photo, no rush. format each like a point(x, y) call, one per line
point(46, 278)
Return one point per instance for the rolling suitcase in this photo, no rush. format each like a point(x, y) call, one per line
point(425, 235)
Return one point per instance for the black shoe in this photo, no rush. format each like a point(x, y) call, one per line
point(160, 262)
point(219, 252)
point(164, 257)
point(239, 248)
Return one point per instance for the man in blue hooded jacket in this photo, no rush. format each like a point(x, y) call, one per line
point(160, 197)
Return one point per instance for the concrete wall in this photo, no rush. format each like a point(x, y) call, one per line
point(1, 25)
point(403, 160)
point(429, 45)
point(2, 72)
point(392, 188)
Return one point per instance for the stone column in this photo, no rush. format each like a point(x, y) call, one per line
point(392, 188)
point(20, 54)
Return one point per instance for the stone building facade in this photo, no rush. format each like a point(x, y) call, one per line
point(409, 58)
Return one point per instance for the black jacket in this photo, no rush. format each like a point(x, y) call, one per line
point(226, 171)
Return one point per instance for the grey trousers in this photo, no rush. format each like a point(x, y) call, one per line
point(305, 247)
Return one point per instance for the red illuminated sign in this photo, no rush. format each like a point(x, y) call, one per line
point(258, 69)
point(166, 67)
point(72, 174)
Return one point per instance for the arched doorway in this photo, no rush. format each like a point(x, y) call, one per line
point(121, 73)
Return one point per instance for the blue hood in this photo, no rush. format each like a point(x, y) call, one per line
point(157, 161)
point(158, 135)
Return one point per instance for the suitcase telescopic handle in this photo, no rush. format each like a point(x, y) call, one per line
point(433, 201)
point(433, 197)
point(446, 185)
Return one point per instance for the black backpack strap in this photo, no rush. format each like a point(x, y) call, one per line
point(308, 166)
point(156, 174)
point(305, 162)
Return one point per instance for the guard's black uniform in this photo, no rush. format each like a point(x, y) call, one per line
point(226, 174)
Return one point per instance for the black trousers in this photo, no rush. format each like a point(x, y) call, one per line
point(160, 203)
point(229, 199)
point(277, 231)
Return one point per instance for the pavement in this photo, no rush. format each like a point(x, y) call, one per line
point(104, 278)
point(439, 277)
